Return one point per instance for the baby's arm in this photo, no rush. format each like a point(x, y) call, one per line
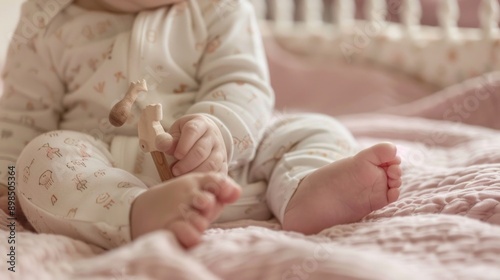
point(30, 103)
point(235, 90)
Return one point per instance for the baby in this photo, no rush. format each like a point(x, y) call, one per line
point(71, 61)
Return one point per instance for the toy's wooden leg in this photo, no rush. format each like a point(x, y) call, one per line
point(162, 165)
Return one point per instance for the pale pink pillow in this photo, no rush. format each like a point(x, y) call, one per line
point(337, 88)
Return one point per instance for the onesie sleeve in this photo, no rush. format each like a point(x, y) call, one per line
point(32, 92)
point(235, 89)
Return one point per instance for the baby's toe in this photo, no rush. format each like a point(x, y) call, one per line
point(397, 160)
point(200, 222)
point(224, 189)
point(204, 201)
point(394, 171)
point(392, 195)
point(186, 233)
point(394, 183)
point(232, 192)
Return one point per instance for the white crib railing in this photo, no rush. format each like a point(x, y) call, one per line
point(448, 14)
point(489, 16)
point(470, 51)
point(282, 13)
point(376, 10)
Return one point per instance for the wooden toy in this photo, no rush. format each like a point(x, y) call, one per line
point(150, 131)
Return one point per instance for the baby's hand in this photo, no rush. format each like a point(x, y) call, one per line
point(197, 146)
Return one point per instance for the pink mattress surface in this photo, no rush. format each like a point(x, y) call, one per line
point(446, 225)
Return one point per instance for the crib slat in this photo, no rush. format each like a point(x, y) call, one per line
point(376, 10)
point(282, 12)
point(312, 11)
point(410, 17)
point(489, 17)
point(448, 13)
point(343, 12)
point(411, 13)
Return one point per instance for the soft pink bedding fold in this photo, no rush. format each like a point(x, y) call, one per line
point(445, 226)
point(476, 102)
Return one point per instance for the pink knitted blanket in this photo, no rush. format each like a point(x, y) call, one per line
point(446, 225)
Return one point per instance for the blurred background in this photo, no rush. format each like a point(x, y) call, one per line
point(334, 84)
point(9, 15)
point(468, 14)
point(469, 10)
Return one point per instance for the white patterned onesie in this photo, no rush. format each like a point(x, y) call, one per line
point(67, 67)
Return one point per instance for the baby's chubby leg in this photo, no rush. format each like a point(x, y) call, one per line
point(318, 179)
point(67, 184)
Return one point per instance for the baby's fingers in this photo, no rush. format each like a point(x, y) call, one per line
point(198, 154)
point(187, 135)
point(216, 162)
point(164, 142)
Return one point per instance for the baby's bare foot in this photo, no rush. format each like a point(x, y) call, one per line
point(345, 191)
point(185, 205)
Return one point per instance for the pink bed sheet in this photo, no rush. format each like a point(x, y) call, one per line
point(446, 225)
